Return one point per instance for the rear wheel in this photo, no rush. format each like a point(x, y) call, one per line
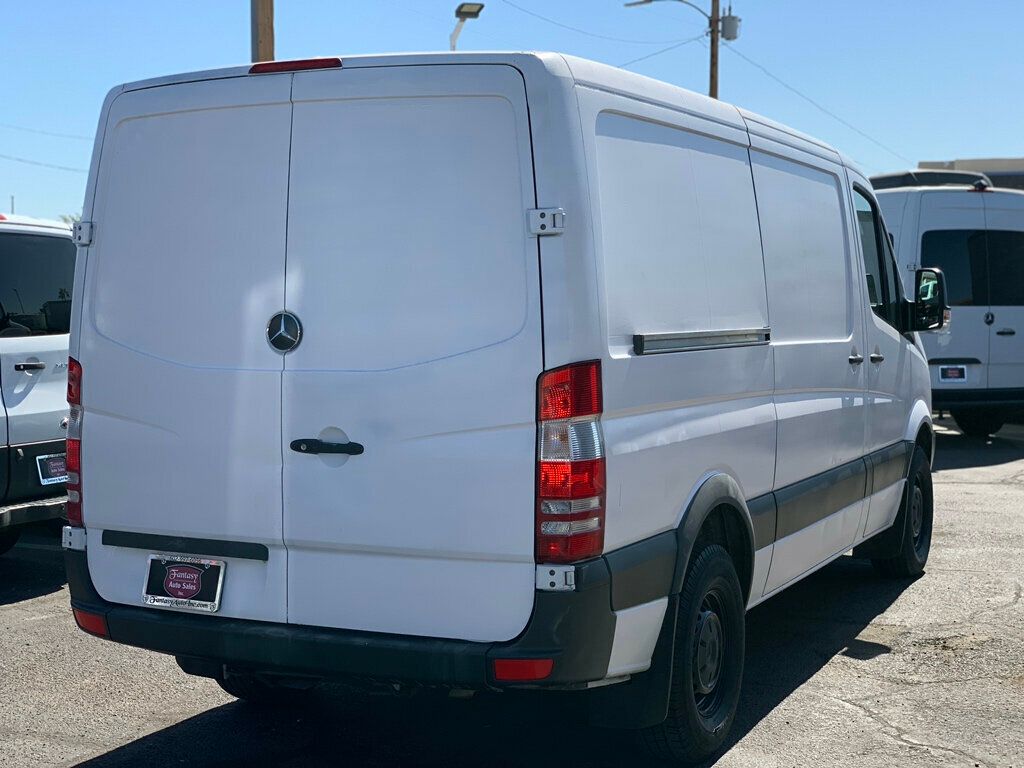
point(978, 422)
point(8, 538)
point(708, 662)
point(918, 513)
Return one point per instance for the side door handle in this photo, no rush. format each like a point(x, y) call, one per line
point(312, 445)
point(876, 357)
point(29, 366)
point(856, 359)
point(1006, 332)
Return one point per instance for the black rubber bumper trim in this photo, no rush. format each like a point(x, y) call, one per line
point(245, 550)
point(642, 572)
point(764, 513)
point(575, 629)
point(968, 398)
point(888, 465)
point(809, 501)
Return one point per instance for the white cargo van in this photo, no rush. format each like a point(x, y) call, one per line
point(480, 371)
point(37, 267)
point(975, 235)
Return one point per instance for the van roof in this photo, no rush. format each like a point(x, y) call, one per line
point(9, 222)
point(583, 72)
point(946, 188)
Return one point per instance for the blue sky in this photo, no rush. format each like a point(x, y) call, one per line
point(925, 79)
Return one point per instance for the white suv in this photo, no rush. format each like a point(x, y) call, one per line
point(480, 371)
point(37, 267)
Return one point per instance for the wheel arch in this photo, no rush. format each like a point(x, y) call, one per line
point(920, 429)
point(717, 513)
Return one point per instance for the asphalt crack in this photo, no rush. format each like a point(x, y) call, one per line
point(900, 736)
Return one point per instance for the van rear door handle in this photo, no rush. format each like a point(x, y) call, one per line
point(856, 359)
point(312, 445)
point(876, 357)
point(29, 366)
point(1006, 332)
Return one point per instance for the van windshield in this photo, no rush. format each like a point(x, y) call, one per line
point(37, 273)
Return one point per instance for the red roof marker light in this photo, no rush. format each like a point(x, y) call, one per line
point(295, 65)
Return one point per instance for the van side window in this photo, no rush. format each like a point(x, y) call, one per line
point(878, 267)
point(1006, 268)
point(36, 277)
point(960, 254)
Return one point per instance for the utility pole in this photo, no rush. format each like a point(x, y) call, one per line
point(715, 30)
point(262, 23)
point(719, 28)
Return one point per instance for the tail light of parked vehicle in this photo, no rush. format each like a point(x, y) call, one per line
point(74, 443)
point(570, 464)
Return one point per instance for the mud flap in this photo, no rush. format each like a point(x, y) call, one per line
point(642, 701)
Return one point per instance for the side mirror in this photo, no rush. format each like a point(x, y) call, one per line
point(929, 311)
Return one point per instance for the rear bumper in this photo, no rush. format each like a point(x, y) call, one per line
point(1009, 399)
point(33, 511)
point(575, 629)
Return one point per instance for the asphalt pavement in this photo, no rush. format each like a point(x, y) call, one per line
point(844, 669)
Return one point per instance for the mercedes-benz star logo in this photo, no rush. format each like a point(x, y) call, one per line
point(284, 332)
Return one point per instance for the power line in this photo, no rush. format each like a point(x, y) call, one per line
point(585, 32)
point(815, 104)
point(46, 133)
point(663, 50)
point(42, 165)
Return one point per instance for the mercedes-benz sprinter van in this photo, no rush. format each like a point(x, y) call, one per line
point(975, 235)
point(480, 371)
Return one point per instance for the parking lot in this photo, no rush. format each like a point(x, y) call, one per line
point(843, 669)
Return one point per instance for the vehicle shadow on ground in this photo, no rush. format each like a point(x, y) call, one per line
point(956, 451)
point(789, 639)
point(35, 567)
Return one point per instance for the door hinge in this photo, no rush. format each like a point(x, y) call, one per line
point(556, 578)
point(81, 233)
point(73, 538)
point(547, 221)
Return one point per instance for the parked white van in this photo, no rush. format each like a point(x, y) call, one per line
point(480, 371)
point(37, 267)
point(975, 235)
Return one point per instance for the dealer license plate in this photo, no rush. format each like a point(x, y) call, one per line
point(53, 468)
point(182, 581)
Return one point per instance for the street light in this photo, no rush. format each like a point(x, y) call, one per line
point(463, 12)
point(727, 26)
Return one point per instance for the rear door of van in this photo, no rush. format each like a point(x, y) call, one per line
point(412, 273)
point(181, 432)
point(1004, 220)
point(952, 237)
point(36, 279)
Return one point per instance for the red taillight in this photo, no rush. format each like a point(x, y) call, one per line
point(522, 670)
point(93, 623)
point(570, 464)
point(574, 390)
point(296, 65)
point(74, 382)
point(74, 444)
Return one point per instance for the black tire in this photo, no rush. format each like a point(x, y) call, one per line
point(978, 422)
point(917, 511)
point(708, 662)
point(255, 690)
point(8, 538)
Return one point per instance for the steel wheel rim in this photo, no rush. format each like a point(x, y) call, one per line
point(708, 659)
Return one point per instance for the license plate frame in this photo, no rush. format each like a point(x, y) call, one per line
point(176, 589)
point(47, 477)
point(954, 374)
